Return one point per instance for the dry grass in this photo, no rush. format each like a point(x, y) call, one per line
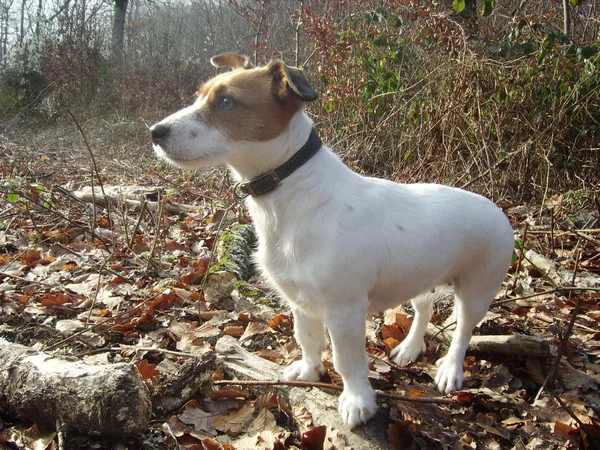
point(504, 129)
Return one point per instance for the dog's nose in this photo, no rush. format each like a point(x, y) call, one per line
point(158, 132)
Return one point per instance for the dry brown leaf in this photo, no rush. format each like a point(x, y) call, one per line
point(393, 331)
point(193, 415)
point(303, 417)
point(233, 330)
point(235, 423)
point(147, 370)
point(534, 368)
point(253, 329)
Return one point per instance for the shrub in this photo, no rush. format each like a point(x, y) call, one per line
point(515, 120)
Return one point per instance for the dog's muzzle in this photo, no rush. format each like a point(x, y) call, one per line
point(159, 132)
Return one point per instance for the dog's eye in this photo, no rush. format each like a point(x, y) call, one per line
point(226, 103)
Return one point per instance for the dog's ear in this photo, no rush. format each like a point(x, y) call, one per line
point(232, 60)
point(290, 81)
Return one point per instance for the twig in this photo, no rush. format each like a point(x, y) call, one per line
point(521, 256)
point(214, 247)
point(94, 170)
point(137, 224)
point(151, 349)
point(582, 426)
point(16, 277)
point(565, 338)
point(551, 231)
point(551, 291)
point(157, 228)
point(335, 387)
point(96, 292)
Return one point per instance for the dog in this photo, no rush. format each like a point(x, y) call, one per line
point(338, 245)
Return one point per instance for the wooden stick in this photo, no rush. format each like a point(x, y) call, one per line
point(335, 387)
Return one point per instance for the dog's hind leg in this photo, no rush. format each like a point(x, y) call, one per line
point(413, 345)
point(309, 332)
point(470, 307)
point(347, 332)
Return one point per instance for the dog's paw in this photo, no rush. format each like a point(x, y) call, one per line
point(450, 375)
point(301, 371)
point(408, 352)
point(356, 408)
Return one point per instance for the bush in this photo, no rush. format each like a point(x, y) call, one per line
point(518, 120)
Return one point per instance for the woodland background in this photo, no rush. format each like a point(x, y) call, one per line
point(502, 97)
point(152, 267)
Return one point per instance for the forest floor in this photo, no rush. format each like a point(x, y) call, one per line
point(126, 283)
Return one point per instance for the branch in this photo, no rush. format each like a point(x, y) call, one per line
point(335, 387)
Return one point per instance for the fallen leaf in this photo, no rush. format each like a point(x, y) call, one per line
point(228, 392)
point(235, 423)
point(50, 299)
point(264, 421)
point(393, 331)
point(314, 439)
point(68, 325)
point(390, 344)
point(233, 330)
point(534, 368)
point(31, 258)
point(253, 329)
point(302, 416)
point(281, 322)
point(147, 370)
point(199, 419)
point(565, 431)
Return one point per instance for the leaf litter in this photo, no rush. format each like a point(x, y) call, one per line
point(118, 283)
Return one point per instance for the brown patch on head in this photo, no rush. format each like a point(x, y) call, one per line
point(254, 104)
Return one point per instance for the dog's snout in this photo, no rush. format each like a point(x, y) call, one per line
point(159, 131)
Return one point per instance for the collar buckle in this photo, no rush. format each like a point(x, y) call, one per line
point(240, 190)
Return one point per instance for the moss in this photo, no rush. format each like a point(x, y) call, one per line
point(234, 252)
point(257, 295)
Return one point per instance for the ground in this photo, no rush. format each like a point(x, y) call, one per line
point(127, 283)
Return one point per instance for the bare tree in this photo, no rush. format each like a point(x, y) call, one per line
point(118, 30)
point(566, 18)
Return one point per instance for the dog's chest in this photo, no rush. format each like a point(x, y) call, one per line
point(285, 253)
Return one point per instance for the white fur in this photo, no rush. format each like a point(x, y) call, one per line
point(337, 245)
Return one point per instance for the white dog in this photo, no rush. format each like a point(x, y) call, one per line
point(334, 243)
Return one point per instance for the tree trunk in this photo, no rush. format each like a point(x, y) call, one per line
point(22, 30)
point(120, 16)
point(297, 34)
point(566, 18)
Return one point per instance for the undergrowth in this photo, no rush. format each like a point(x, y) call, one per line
point(510, 111)
point(515, 120)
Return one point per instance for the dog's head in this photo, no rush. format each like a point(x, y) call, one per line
point(244, 105)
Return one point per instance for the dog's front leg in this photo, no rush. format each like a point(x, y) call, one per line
point(309, 332)
point(347, 332)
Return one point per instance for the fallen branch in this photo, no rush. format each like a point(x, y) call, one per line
point(110, 400)
point(100, 199)
point(551, 291)
point(335, 387)
point(509, 344)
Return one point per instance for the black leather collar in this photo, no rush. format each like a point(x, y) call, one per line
point(269, 181)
